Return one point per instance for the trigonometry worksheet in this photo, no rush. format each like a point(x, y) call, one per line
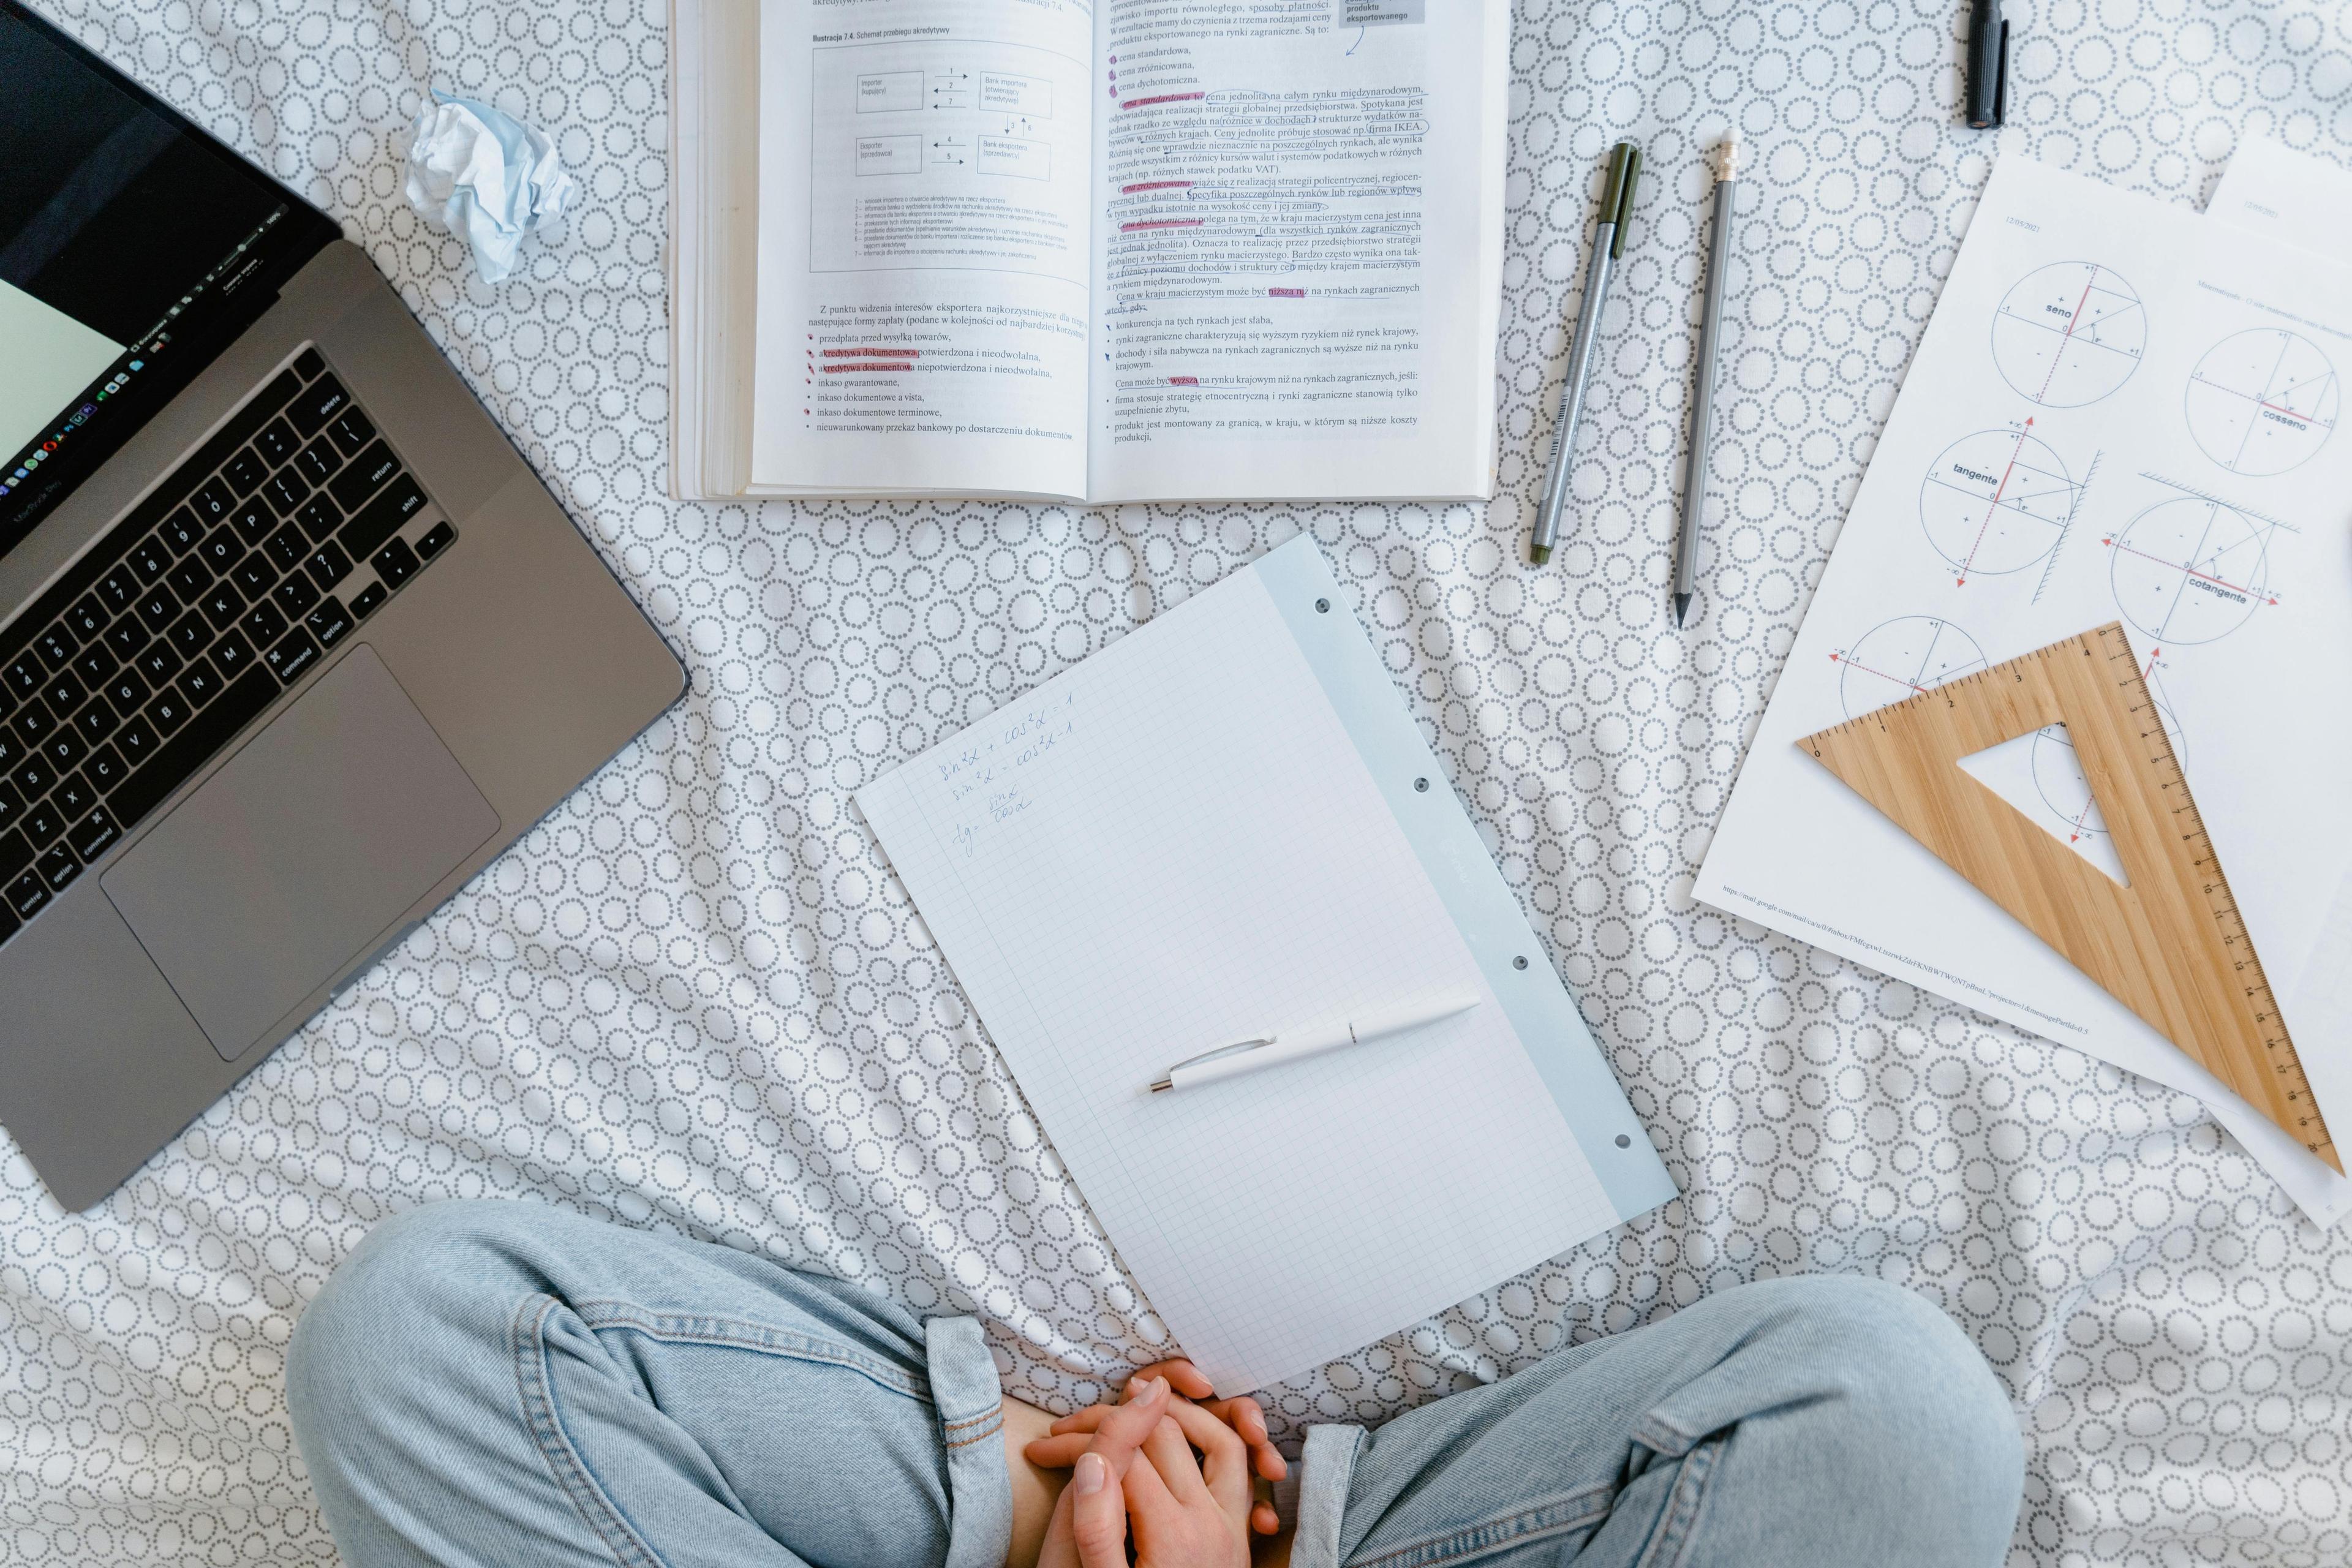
point(2121, 411)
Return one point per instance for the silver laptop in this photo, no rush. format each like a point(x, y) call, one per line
point(293, 641)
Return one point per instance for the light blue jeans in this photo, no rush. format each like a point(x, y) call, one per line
point(508, 1383)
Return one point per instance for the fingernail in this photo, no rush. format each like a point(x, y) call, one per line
point(1155, 1388)
point(1091, 1474)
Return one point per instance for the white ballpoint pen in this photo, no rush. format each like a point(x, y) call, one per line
point(1271, 1050)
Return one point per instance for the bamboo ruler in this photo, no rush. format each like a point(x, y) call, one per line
point(2171, 946)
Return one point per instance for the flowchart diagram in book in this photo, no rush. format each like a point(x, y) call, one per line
point(2069, 333)
point(2074, 446)
point(2262, 402)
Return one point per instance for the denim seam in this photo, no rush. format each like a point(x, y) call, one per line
point(737, 1333)
point(1677, 1531)
point(628, 1547)
point(1678, 1442)
point(980, 1436)
point(1555, 1517)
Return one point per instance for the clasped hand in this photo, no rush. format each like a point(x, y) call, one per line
point(1133, 1469)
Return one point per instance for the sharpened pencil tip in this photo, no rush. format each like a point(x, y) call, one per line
point(1681, 607)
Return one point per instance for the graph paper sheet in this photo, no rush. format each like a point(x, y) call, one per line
point(1181, 843)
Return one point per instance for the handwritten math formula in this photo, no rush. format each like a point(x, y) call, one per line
point(987, 769)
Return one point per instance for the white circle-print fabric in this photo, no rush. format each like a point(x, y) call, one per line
point(696, 997)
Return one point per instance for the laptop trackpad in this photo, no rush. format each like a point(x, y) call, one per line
point(300, 853)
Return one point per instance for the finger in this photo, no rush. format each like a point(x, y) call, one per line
point(1057, 1453)
point(1085, 1420)
point(1263, 1518)
point(1244, 1416)
point(1225, 1466)
point(1171, 1453)
point(1097, 1514)
point(1149, 1499)
point(1182, 1376)
point(1124, 1427)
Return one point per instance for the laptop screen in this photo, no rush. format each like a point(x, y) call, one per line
point(133, 248)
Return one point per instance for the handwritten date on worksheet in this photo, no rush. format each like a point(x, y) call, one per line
point(984, 769)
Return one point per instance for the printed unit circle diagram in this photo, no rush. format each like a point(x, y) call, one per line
point(2069, 333)
point(2261, 402)
point(2191, 570)
point(1896, 660)
point(1996, 501)
point(2059, 779)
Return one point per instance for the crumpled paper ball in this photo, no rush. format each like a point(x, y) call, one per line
point(486, 177)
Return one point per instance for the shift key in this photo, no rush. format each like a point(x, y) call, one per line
point(381, 519)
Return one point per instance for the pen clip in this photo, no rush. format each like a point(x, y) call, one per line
point(1236, 1048)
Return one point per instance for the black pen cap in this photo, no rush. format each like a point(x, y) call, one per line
point(1613, 190)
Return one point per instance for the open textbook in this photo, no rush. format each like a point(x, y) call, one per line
point(1106, 252)
point(2121, 410)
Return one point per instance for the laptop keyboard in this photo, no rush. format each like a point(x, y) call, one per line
point(269, 546)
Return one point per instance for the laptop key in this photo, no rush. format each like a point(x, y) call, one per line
point(43, 824)
point(157, 608)
point(128, 692)
point(105, 768)
point(366, 475)
point(88, 618)
point(170, 764)
point(34, 721)
point(255, 574)
point(64, 692)
point(352, 432)
point(138, 740)
point(317, 404)
point(436, 539)
point(278, 441)
point(190, 577)
point(308, 365)
point(365, 534)
point(158, 663)
point(15, 854)
point(223, 606)
point(179, 532)
point(64, 749)
point(296, 595)
point(189, 634)
point(29, 895)
point(149, 559)
point(26, 677)
point(253, 521)
point(318, 461)
point(118, 588)
point(369, 600)
point(246, 471)
point(33, 775)
point(232, 653)
point(94, 835)
point(213, 501)
point(12, 804)
point(329, 565)
point(59, 867)
point(94, 664)
point(95, 722)
point(286, 547)
point(293, 655)
point(395, 563)
point(328, 622)
point(126, 637)
point(73, 797)
point(200, 682)
point(56, 645)
point(263, 624)
point(167, 712)
point(221, 549)
point(285, 491)
point(318, 518)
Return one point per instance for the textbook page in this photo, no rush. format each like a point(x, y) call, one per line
point(923, 249)
point(1299, 227)
point(2120, 411)
point(1177, 844)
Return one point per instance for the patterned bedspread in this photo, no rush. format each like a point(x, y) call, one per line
point(696, 997)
